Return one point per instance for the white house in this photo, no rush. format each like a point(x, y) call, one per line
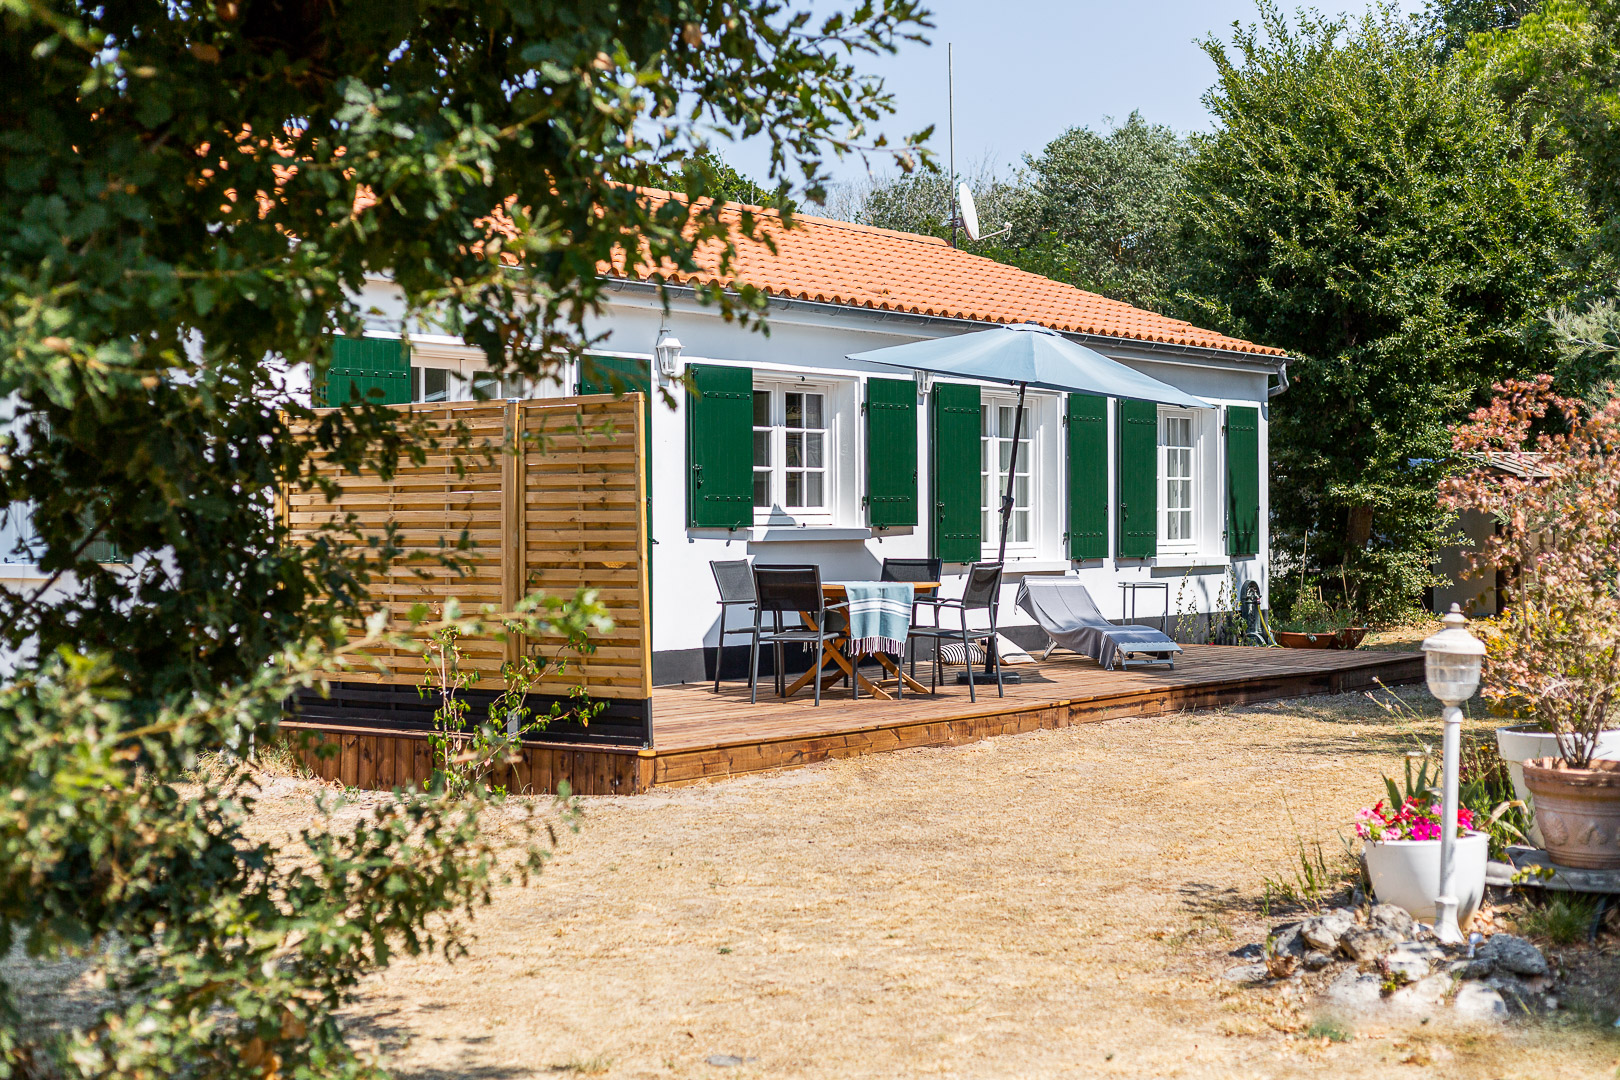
point(793, 454)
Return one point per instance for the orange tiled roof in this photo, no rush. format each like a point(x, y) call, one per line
point(838, 262)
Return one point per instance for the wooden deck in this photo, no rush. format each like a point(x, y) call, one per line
point(699, 735)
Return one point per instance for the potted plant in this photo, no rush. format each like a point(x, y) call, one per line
point(1312, 624)
point(1554, 655)
point(1402, 850)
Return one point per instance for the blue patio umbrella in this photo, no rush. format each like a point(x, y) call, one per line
point(1027, 355)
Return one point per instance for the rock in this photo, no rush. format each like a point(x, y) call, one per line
point(1391, 918)
point(1479, 967)
point(1520, 995)
point(1476, 1001)
point(1249, 952)
point(1353, 990)
point(1422, 994)
point(1369, 943)
point(1411, 961)
point(1247, 974)
point(1286, 941)
point(726, 1061)
point(1324, 931)
point(1315, 961)
point(1509, 953)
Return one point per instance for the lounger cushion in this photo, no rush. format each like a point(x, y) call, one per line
point(1066, 611)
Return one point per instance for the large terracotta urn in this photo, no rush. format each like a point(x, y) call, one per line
point(1578, 811)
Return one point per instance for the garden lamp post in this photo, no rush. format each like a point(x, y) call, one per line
point(1451, 662)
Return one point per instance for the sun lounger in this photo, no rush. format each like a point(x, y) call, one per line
point(1070, 617)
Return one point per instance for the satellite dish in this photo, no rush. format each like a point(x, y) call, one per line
point(970, 213)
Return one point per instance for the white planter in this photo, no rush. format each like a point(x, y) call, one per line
point(1406, 873)
point(1526, 742)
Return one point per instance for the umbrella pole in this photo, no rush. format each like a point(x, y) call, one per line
point(990, 645)
point(1012, 475)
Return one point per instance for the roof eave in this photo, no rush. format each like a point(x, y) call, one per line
point(1268, 362)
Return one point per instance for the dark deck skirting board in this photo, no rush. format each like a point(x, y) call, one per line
point(396, 707)
point(699, 735)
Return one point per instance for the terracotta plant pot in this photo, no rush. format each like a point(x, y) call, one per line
point(1349, 637)
point(1578, 811)
point(1290, 639)
point(1519, 743)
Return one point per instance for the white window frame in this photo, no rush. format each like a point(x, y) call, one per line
point(419, 382)
point(777, 512)
point(1192, 542)
point(1029, 459)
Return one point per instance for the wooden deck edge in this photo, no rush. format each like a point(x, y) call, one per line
point(1333, 678)
point(742, 758)
point(374, 760)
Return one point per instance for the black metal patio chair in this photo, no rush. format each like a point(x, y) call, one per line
point(735, 580)
point(982, 593)
point(915, 570)
point(785, 590)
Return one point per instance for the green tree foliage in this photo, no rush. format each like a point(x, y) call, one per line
point(194, 195)
point(1559, 68)
point(159, 162)
point(218, 955)
point(1100, 212)
point(1378, 216)
point(722, 181)
point(1451, 22)
point(1587, 337)
point(921, 202)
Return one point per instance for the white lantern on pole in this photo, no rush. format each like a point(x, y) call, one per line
point(1451, 663)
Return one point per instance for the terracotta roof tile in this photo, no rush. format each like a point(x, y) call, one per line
point(837, 262)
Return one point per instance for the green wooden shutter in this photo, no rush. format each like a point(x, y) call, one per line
point(1137, 479)
point(619, 375)
point(954, 469)
point(1242, 480)
point(1088, 476)
point(614, 375)
point(891, 452)
point(376, 369)
point(720, 447)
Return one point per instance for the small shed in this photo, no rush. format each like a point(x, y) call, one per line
point(1480, 591)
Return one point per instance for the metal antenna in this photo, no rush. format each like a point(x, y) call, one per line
point(950, 109)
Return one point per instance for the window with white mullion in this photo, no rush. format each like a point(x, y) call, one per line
point(431, 383)
point(792, 453)
point(764, 437)
point(996, 422)
point(1178, 446)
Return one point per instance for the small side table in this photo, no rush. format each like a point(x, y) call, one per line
point(1131, 588)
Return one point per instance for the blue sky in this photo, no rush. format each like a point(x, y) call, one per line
point(1027, 70)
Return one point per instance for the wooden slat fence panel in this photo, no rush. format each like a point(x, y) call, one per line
point(548, 494)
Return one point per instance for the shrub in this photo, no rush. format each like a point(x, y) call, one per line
point(1555, 653)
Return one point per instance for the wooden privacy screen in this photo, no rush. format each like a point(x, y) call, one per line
point(558, 509)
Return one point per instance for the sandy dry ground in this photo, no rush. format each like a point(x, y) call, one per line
point(1054, 904)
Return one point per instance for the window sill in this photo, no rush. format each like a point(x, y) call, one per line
point(1033, 564)
point(1188, 562)
point(766, 534)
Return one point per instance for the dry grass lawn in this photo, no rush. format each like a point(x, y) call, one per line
point(1052, 904)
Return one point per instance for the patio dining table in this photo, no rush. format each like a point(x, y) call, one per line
point(836, 651)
